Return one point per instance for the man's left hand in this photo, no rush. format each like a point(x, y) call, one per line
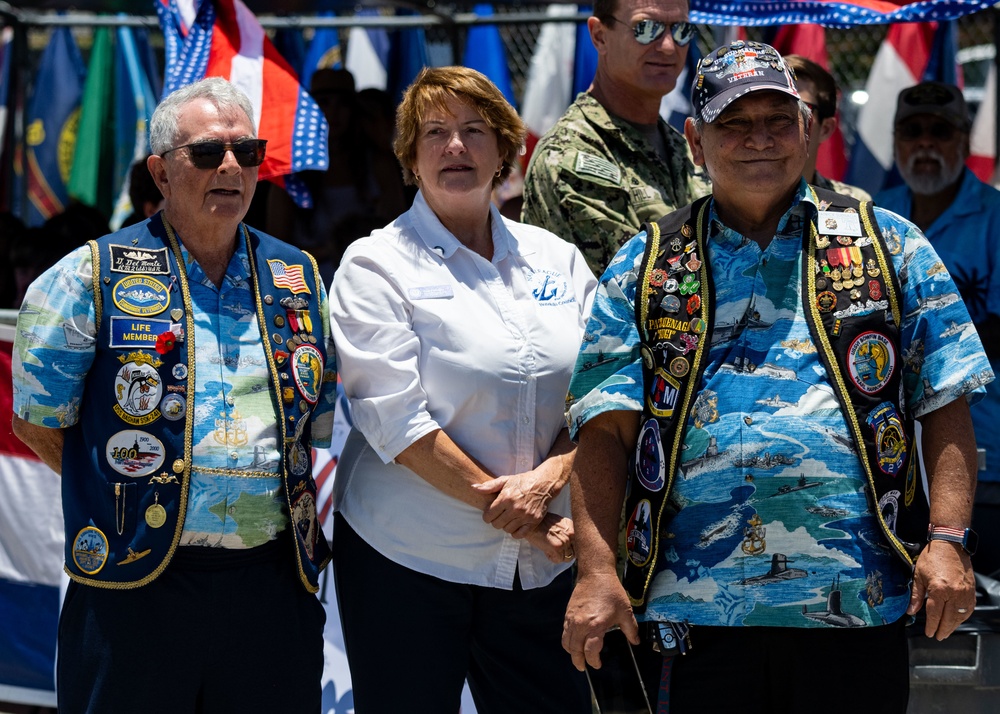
point(944, 578)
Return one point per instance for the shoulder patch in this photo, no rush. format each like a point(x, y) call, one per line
point(593, 165)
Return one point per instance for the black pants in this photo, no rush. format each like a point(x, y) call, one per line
point(412, 639)
point(219, 631)
point(775, 670)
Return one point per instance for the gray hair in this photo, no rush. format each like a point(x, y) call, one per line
point(163, 124)
point(804, 111)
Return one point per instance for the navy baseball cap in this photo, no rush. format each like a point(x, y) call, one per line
point(942, 100)
point(729, 72)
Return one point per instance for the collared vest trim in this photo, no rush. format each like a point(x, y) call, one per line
point(127, 462)
point(857, 341)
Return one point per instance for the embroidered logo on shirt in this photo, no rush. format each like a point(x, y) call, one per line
point(141, 296)
point(870, 361)
point(549, 288)
point(592, 165)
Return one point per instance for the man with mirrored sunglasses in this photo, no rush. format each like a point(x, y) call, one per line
point(611, 162)
point(960, 215)
point(176, 374)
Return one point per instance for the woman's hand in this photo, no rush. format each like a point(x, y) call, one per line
point(522, 500)
point(554, 537)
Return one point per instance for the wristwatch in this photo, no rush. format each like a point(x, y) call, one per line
point(966, 537)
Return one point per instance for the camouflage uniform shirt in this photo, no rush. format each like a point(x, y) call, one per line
point(845, 189)
point(594, 179)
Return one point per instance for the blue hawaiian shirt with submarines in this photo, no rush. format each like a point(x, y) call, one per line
point(770, 522)
point(236, 498)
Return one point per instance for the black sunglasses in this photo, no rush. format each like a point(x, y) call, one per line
point(938, 130)
point(649, 31)
point(210, 154)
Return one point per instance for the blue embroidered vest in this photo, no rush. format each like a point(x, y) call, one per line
point(127, 463)
point(855, 327)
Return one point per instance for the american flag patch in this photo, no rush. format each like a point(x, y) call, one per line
point(290, 277)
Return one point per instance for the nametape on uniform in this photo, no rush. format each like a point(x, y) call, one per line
point(129, 259)
point(431, 292)
point(839, 224)
point(592, 165)
point(136, 332)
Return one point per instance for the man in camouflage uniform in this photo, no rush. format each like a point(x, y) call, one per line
point(611, 162)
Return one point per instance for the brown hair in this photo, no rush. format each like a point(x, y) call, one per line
point(826, 87)
point(432, 88)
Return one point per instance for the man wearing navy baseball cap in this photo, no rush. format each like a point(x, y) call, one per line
point(747, 489)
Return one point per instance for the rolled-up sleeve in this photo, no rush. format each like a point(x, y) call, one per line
point(378, 353)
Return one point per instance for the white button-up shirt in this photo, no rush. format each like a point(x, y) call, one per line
point(431, 335)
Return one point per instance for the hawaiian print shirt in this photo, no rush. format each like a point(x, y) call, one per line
point(594, 179)
point(236, 498)
point(771, 524)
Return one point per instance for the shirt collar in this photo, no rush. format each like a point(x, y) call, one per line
point(440, 241)
point(789, 227)
point(237, 272)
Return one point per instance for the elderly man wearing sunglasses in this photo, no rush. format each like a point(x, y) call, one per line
point(611, 162)
point(960, 215)
point(176, 374)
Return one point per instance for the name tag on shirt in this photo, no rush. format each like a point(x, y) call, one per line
point(840, 224)
point(431, 292)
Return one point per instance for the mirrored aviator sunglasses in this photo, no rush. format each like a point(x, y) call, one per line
point(648, 31)
point(210, 154)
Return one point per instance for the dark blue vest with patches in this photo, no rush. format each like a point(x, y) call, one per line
point(676, 274)
point(126, 468)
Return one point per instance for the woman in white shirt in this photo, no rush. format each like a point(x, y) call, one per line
point(457, 331)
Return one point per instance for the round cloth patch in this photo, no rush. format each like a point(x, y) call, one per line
point(871, 360)
point(134, 453)
point(90, 550)
point(141, 295)
point(307, 368)
point(649, 460)
point(138, 389)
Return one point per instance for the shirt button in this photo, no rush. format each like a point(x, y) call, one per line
point(527, 420)
point(230, 401)
point(748, 477)
point(234, 455)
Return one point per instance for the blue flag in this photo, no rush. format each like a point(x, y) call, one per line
point(484, 51)
point(323, 53)
point(290, 45)
point(407, 56)
point(50, 126)
point(134, 104)
point(584, 59)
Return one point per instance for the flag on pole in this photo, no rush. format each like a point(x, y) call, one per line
point(548, 88)
point(222, 38)
point(407, 56)
point(51, 127)
point(899, 63)
point(134, 104)
point(584, 59)
point(290, 45)
point(94, 157)
point(983, 141)
point(323, 52)
point(484, 51)
point(368, 54)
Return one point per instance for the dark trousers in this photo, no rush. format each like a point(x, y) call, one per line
point(775, 670)
point(218, 631)
point(412, 639)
